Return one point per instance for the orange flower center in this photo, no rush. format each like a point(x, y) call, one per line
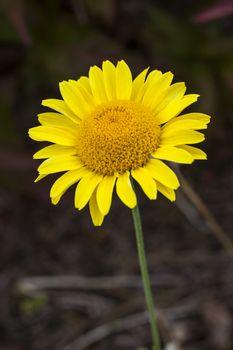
point(117, 136)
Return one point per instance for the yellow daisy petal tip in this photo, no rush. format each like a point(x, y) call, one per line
point(55, 200)
point(208, 118)
point(96, 215)
point(98, 221)
point(40, 177)
point(122, 62)
point(43, 102)
point(62, 86)
point(107, 63)
point(204, 157)
point(176, 186)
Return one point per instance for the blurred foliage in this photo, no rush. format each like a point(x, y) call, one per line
point(31, 305)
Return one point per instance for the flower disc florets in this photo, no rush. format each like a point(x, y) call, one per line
point(117, 136)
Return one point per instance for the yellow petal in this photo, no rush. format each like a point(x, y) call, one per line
point(153, 94)
point(124, 190)
point(123, 81)
point(104, 193)
point(181, 137)
point(86, 95)
point(183, 123)
point(57, 120)
point(162, 173)
point(173, 154)
point(179, 125)
point(96, 79)
point(59, 163)
point(174, 92)
point(151, 79)
point(74, 99)
point(138, 83)
point(61, 107)
point(153, 76)
point(109, 73)
point(96, 215)
point(196, 153)
point(56, 200)
point(195, 120)
point(148, 185)
point(84, 82)
point(54, 150)
point(68, 179)
point(56, 135)
point(175, 107)
point(167, 192)
point(40, 177)
point(85, 188)
point(204, 118)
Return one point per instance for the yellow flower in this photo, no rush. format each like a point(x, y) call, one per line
point(109, 128)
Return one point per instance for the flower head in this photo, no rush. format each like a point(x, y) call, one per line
point(109, 128)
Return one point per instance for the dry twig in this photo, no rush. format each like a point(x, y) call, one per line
point(97, 334)
point(29, 285)
point(201, 207)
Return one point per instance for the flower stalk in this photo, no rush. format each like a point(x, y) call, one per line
point(146, 278)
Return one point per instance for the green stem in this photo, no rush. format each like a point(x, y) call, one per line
point(146, 278)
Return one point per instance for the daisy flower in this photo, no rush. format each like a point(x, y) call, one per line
point(109, 128)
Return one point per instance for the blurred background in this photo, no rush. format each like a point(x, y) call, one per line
point(65, 285)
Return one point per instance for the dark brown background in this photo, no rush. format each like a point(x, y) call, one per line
point(42, 43)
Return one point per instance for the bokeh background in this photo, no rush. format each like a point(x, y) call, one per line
point(65, 285)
